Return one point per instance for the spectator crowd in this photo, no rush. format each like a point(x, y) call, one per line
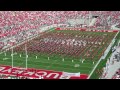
point(18, 25)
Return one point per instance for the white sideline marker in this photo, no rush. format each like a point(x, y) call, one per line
point(11, 55)
point(27, 56)
point(36, 57)
point(20, 55)
point(72, 60)
point(5, 59)
point(5, 54)
point(83, 60)
point(63, 59)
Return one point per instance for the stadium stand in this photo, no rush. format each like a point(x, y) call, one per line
point(18, 24)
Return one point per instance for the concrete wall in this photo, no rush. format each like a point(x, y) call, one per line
point(78, 21)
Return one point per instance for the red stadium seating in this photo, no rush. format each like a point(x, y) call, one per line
point(13, 23)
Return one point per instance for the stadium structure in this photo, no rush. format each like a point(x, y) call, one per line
point(60, 44)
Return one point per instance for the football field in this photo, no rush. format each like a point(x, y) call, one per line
point(60, 50)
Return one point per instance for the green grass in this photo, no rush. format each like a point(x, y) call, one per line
point(55, 62)
point(42, 62)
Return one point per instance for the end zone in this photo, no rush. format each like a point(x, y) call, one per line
point(32, 73)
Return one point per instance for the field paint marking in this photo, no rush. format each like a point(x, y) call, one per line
point(5, 58)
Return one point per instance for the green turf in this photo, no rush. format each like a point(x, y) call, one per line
point(55, 62)
point(42, 62)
